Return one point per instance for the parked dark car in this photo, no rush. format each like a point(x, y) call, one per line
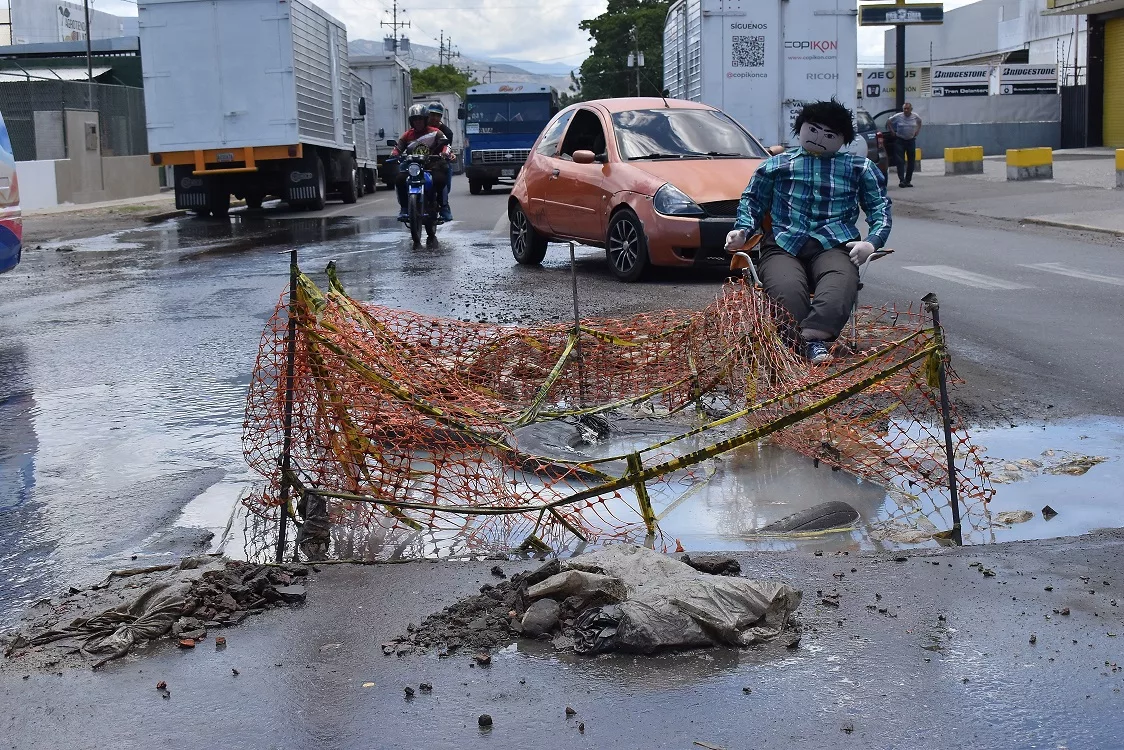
point(877, 150)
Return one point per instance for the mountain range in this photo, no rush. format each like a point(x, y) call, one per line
point(517, 71)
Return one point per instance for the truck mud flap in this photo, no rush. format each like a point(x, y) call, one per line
point(191, 191)
point(301, 183)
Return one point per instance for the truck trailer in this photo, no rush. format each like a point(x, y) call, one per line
point(391, 97)
point(454, 117)
point(760, 61)
point(366, 163)
point(251, 98)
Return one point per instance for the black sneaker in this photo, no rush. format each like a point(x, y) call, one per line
point(902, 184)
point(817, 353)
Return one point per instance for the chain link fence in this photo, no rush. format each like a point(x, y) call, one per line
point(33, 112)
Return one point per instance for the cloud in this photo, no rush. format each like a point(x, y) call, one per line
point(515, 29)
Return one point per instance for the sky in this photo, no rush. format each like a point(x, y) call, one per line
point(544, 31)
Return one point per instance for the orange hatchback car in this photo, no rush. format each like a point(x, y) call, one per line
point(654, 182)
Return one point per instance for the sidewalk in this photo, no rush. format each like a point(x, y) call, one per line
point(1080, 197)
point(165, 201)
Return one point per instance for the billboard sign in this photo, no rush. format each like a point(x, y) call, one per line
point(1028, 79)
point(961, 80)
point(886, 14)
point(882, 82)
point(72, 22)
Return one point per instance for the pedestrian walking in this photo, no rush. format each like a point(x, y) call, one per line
point(905, 126)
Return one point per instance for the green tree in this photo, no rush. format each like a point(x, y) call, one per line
point(625, 26)
point(441, 78)
point(566, 98)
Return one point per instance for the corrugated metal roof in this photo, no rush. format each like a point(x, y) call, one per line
point(50, 74)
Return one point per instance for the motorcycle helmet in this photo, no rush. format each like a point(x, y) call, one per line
point(435, 108)
point(417, 111)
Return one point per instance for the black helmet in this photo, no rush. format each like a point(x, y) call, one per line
point(416, 111)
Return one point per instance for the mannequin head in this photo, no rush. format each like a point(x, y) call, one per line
point(824, 127)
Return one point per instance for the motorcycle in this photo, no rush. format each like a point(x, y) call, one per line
point(423, 201)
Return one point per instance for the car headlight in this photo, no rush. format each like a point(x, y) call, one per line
point(672, 201)
point(414, 170)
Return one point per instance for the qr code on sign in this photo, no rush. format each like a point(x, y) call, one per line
point(749, 52)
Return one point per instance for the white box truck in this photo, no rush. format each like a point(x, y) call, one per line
point(251, 98)
point(453, 117)
point(365, 138)
point(391, 97)
point(761, 60)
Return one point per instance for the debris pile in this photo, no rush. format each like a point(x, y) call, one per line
point(624, 598)
point(135, 606)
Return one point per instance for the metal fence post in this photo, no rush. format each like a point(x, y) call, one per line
point(933, 306)
point(290, 374)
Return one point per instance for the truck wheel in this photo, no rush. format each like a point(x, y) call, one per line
point(474, 186)
point(527, 245)
point(360, 183)
point(254, 200)
point(317, 203)
point(349, 190)
point(488, 186)
point(627, 247)
point(218, 202)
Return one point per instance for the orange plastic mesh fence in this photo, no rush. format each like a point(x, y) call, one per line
point(410, 432)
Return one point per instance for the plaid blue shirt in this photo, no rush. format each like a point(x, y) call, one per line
point(816, 197)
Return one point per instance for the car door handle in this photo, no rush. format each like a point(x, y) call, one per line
point(554, 174)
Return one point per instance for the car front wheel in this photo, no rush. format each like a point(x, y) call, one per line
point(627, 247)
point(527, 245)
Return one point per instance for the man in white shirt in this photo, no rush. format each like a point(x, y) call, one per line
point(905, 126)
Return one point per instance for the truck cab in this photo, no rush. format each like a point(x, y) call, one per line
point(503, 121)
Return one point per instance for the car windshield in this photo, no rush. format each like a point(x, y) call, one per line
point(682, 133)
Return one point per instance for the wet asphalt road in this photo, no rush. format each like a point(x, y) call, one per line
point(124, 358)
point(123, 366)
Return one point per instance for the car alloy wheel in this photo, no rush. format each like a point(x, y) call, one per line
point(624, 246)
point(527, 245)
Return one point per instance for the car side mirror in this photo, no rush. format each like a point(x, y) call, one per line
point(583, 156)
point(390, 142)
point(774, 150)
point(362, 106)
point(461, 114)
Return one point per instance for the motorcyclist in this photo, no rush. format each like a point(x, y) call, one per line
point(420, 135)
point(436, 112)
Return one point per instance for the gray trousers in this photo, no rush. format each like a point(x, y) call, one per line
point(791, 280)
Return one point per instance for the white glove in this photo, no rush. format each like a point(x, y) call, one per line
point(861, 252)
point(736, 239)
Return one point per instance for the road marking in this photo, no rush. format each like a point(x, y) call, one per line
point(501, 224)
point(967, 278)
point(1062, 270)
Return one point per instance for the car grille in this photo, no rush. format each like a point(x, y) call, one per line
point(722, 209)
point(500, 156)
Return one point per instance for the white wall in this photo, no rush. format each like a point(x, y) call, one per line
point(38, 186)
point(992, 27)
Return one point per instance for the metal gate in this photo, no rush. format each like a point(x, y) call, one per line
point(1075, 130)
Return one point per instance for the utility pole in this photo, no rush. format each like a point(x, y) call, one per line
point(636, 57)
point(394, 26)
point(89, 55)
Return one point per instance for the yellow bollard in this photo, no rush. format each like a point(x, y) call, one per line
point(963, 160)
point(1030, 163)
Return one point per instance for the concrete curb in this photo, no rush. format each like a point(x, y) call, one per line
point(157, 218)
point(1071, 225)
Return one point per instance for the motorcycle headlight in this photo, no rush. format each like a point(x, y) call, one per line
point(414, 170)
point(672, 201)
